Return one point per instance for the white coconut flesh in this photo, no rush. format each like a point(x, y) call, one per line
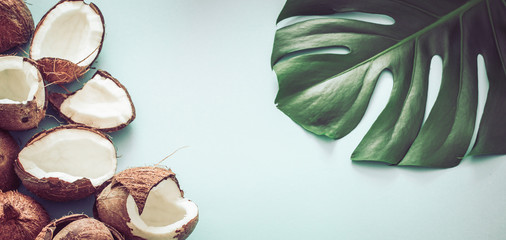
point(165, 211)
point(101, 103)
point(19, 81)
point(72, 31)
point(70, 154)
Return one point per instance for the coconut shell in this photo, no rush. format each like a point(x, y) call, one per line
point(110, 204)
point(78, 226)
point(187, 229)
point(16, 24)
point(21, 217)
point(56, 100)
point(52, 188)
point(9, 150)
point(16, 117)
point(21, 116)
point(60, 71)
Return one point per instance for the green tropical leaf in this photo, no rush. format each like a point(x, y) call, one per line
point(328, 94)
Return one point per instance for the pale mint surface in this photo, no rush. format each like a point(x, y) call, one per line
point(199, 74)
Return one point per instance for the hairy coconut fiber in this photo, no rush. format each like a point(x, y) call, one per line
point(16, 24)
point(21, 217)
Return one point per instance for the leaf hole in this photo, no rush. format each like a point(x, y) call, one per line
point(380, 19)
point(435, 79)
point(379, 98)
point(483, 87)
point(339, 50)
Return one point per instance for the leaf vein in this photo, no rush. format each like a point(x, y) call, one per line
point(417, 8)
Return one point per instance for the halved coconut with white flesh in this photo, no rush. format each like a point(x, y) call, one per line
point(9, 150)
point(22, 94)
point(78, 226)
point(21, 217)
point(103, 103)
point(16, 24)
point(67, 40)
point(66, 163)
point(146, 203)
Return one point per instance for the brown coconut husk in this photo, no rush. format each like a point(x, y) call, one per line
point(57, 99)
point(112, 205)
point(21, 217)
point(60, 71)
point(9, 150)
point(16, 24)
point(52, 188)
point(79, 226)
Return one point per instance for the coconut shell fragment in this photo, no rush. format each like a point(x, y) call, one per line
point(16, 24)
point(67, 40)
point(58, 71)
point(146, 203)
point(66, 163)
point(78, 226)
point(9, 150)
point(22, 94)
point(103, 103)
point(21, 217)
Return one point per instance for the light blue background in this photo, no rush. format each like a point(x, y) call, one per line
point(199, 74)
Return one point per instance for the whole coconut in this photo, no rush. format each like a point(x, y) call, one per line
point(21, 217)
point(78, 226)
point(16, 24)
point(9, 150)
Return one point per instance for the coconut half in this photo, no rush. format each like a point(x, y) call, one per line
point(22, 94)
point(67, 40)
point(146, 203)
point(9, 150)
point(16, 24)
point(66, 163)
point(103, 103)
point(78, 226)
point(21, 217)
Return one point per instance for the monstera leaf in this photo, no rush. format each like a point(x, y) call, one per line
point(328, 94)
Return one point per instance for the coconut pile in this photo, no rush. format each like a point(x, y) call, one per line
point(76, 159)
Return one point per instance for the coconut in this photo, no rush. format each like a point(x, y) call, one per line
point(22, 94)
point(66, 163)
point(67, 40)
point(78, 226)
point(16, 24)
point(103, 103)
point(21, 217)
point(146, 203)
point(9, 150)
